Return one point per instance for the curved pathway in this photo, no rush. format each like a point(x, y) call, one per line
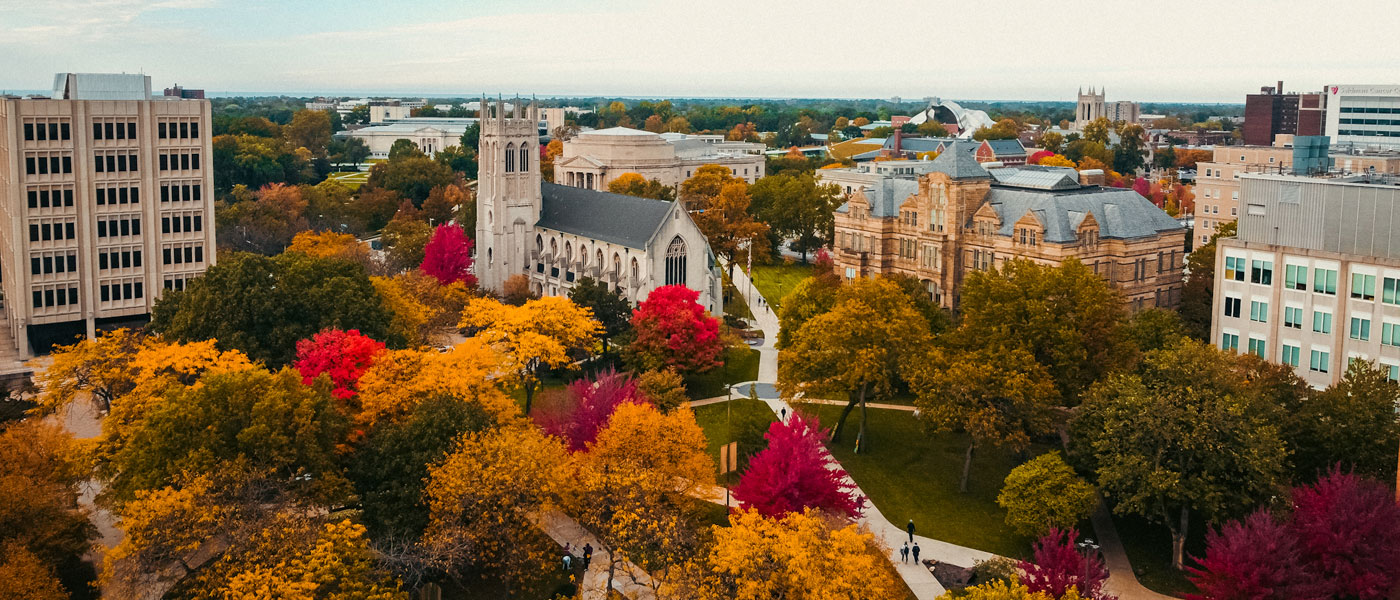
point(1122, 581)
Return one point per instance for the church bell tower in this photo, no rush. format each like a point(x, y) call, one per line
point(508, 191)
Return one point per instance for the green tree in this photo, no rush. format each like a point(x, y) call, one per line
point(854, 349)
point(471, 137)
point(810, 297)
point(1198, 293)
point(797, 207)
point(1045, 493)
point(404, 148)
point(405, 237)
point(358, 115)
point(1066, 317)
point(1165, 158)
point(608, 306)
point(1078, 150)
point(1153, 329)
point(1185, 433)
point(932, 128)
point(1052, 142)
point(1352, 423)
point(389, 471)
point(996, 395)
point(270, 425)
point(1129, 155)
point(355, 151)
point(411, 175)
point(262, 306)
point(458, 159)
point(1097, 130)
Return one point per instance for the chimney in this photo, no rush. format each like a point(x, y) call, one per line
point(1091, 177)
point(898, 146)
point(1280, 87)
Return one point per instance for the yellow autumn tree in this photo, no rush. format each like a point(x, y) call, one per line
point(338, 566)
point(634, 483)
point(486, 495)
point(1057, 160)
point(328, 244)
point(401, 379)
point(537, 334)
point(100, 367)
point(804, 556)
point(159, 527)
point(422, 309)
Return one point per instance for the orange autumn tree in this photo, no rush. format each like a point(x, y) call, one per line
point(328, 244)
point(537, 334)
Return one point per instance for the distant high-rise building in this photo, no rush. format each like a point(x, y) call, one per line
point(1364, 116)
point(1272, 112)
point(106, 198)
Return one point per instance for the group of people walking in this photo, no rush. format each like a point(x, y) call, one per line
point(907, 550)
point(569, 557)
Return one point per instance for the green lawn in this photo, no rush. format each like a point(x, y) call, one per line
point(351, 179)
point(748, 421)
point(736, 305)
point(740, 364)
point(776, 281)
point(1149, 548)
point(910, 474)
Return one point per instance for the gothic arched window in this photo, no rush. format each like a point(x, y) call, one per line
point(510, 158)
point(675, 262)
point(524, 158)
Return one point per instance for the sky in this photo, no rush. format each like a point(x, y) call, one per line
point(1167, 51)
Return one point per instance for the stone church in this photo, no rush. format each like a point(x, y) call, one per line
point(556, 235)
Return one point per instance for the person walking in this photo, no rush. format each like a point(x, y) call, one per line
point(587, 555)
point(915, 550)
point(910, 529)
point(568, 561)
point(904, 553)
point(784, 414)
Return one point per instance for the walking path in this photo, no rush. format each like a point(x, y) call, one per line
point(918, 578)
point(1121, 581)
point(629, 579)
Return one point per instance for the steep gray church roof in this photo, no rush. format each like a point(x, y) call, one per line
point(603, 216)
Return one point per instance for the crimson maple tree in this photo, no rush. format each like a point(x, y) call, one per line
point(447, 256)
point(1035, 159)
point(1056, 566)
point(343, 355)
point(1257, 558)
point(791, 474)
point(673, 330)
point(586, 407)
point(1348, 529)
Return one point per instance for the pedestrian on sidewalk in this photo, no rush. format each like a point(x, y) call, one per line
point(784, 414)
point(904, 553)
point(568, 561)
point(910, 529)
point(916, 553)
point(587, 555)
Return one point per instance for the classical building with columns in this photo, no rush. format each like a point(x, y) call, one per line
point(556, 235)
point(592, 159)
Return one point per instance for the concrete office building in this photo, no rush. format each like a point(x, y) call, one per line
point(1364, 116)
point(1312, 280)
point(106, 198)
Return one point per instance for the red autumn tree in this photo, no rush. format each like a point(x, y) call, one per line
point(1036, 158)
point(791, 474)
point(672, 330)
point(586, 406)
point(1257, 559)
point(342, 355)
point(1348, 529)
point(1056, 566)
point(1143, 187)
point(448, 256)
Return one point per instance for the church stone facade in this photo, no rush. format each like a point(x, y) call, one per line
point(556, 235)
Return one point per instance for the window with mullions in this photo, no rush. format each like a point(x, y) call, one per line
point(1295, 277)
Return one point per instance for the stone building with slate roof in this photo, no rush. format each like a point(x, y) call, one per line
point(556, 235)
point(960, 217)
